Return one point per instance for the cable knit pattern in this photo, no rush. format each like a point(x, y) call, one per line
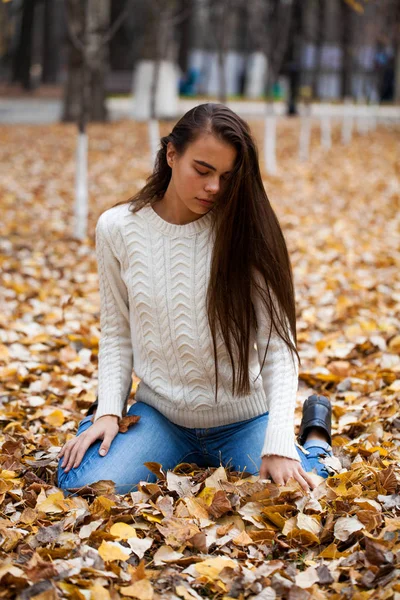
point(153, 279)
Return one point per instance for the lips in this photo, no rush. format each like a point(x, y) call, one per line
point(206, 200)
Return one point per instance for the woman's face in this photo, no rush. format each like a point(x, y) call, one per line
point(201, 172)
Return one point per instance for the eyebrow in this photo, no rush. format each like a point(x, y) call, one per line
point(204, 164)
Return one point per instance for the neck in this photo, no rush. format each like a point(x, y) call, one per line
point(172, 209)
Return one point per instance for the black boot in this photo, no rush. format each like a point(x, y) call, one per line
point(317, 412)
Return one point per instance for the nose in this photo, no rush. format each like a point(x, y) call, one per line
point(212, 185)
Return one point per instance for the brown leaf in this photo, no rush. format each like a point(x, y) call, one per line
point(127, 422)
point(388, 480)
point(377, 553)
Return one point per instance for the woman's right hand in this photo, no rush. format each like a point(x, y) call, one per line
point(105, 428)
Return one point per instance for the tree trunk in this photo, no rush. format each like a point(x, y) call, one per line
point(51, 41)
point(397, 54)
point(223, 23)
point(318, 51)
point(277, 39)
point(94, 52)
point(155, 82)
point(185, 38)
point(256, 60)
point(23, 56)
point(397, 74)
point(346, 50)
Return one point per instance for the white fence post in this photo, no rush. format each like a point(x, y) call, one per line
point(347, 121)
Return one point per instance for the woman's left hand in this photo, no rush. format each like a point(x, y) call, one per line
point(280, 469)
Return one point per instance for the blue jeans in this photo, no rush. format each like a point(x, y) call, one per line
point(156, 439)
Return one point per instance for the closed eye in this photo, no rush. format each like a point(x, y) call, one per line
point(224, 177)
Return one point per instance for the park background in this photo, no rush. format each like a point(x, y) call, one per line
point(86, 89)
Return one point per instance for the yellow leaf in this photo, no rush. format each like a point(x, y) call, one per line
point(213, 566)
point(98, 592)
point(110, 551)
point(51, 504)
point(196, 508)
point(152, 518)
point(394, 344)
point(7, 372)
point(106, 503)
point(331, 551)
point(123, 531)
point(56, 418)
point(207, 494)
point(142, 590)
point(4, 474)
point(4, 353)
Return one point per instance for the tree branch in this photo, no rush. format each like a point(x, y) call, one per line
point(76, 42)
point(117, 23)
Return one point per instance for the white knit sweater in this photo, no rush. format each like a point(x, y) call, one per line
point(153, 278)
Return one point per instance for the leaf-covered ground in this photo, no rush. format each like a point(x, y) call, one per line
point(201, 533)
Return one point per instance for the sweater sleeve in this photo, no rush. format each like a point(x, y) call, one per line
point(115, 358)
point(280, 383)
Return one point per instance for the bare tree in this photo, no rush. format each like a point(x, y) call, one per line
point(22, 59)
point(89, 31)
point(222, 22)
point(220, 19)
point(347, 55)
point(279, 18)
point(256, 68)
point(87, 23)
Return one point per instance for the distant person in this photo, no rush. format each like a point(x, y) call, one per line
point(294, 82)
point(385, 69)
point(188, 84)
point(194, 271)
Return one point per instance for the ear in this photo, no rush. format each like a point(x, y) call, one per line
point(171, 154)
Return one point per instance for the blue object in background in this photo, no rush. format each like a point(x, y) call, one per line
point(188, 85)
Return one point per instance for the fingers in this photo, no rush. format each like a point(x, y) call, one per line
point(311, 482)
point(303, 482)
point(108, 438)
point(76, 451)
point(80, 451)
point(300, 476)
point(70, 454)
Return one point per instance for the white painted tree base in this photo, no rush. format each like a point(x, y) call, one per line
point(326, 136)
point(81, 188)
point(347, 122)
point(256, 75)
point(166, 105)
point(305, 134)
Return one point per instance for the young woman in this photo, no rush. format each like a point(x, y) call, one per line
point(197, 297)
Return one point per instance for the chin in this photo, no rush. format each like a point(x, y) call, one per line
point(198, 209)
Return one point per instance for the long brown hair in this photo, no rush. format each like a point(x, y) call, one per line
point(249, 253)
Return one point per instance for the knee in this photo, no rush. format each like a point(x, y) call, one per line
point(78, 478)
